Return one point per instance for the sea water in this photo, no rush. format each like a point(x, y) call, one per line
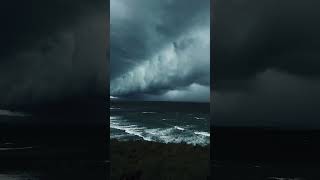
point(129, 122)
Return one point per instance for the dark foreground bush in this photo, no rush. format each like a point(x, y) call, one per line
point(142, 160)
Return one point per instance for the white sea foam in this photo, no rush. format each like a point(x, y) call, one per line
point(199, 118)
point(114, 117)
point(179, 128)
point(118, 136)
point(129, 129)
point(166, 119)
point(171, 134)
point(202, 133)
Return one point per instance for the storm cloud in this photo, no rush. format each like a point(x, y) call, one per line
point(265, 66)
point(53, 77)
point(52, 51)
point(158, 47)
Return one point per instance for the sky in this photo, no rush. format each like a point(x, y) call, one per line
point(160, 50)
point(266, 64)
point(52, 51)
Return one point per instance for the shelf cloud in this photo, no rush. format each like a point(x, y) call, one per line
point(159, 47)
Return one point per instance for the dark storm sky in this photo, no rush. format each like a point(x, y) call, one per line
point(160, 50)
point(52, 50)
point(266, 63)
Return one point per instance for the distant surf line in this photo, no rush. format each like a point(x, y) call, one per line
point(167, 135)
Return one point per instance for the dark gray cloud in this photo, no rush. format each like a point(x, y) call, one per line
point(159, 46)
point(277, 100)
point(252, 36)
point(265, 67)
point(52, 51)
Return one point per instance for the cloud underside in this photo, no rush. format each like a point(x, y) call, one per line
point(56, 52)
point(178, 65)
point(265, 64)
point(165, 51)
point(275, 99)
point(250, 39)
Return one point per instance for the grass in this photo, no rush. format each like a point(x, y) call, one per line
point(143, 160)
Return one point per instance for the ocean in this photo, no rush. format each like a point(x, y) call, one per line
point(39, 146)
point(165, 122)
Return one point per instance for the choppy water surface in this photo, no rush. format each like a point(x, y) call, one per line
point(134, 123)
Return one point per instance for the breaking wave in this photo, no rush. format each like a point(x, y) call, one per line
point(123, 129)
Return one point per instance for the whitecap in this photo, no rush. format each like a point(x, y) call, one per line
point(179, 128)
point(115, 117)
point(199, 118)
point(173, 135)
point(202, 133)
point(131, 129)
